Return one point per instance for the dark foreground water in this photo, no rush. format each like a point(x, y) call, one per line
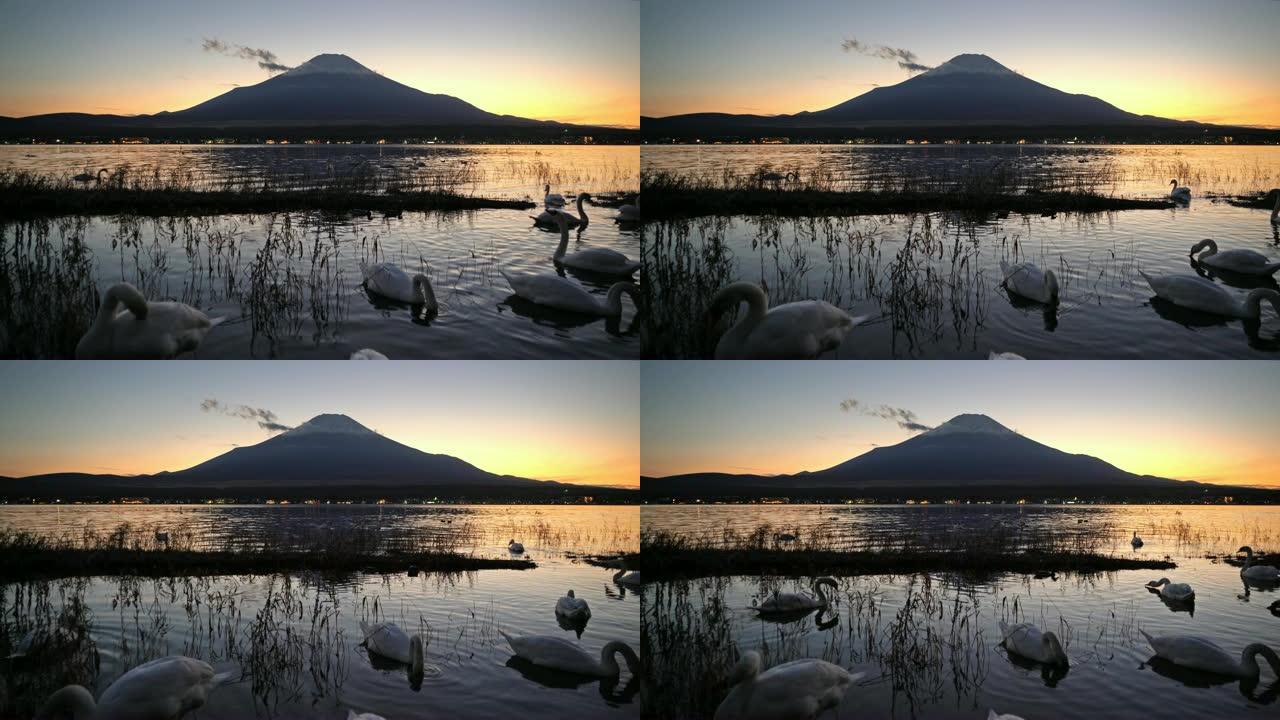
point(295, 639)
point(930, 643)
point(931, 282)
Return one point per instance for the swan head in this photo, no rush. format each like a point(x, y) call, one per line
point(1246, 550)
point(570, 593)
point(747, 668)
point(584, 196)
point(1174, 182)
point(1158, 583)
point(1206, 243)
point(1054, 648)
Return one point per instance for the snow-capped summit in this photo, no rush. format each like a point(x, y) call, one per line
point(331, 63)
point(970, 423)
point(331, 424)
point(970, 63)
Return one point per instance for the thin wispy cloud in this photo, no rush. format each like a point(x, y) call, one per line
point(266, 59)
point(266, 419)
point(906, 59)
point(905, 419)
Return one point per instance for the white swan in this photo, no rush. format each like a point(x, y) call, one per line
point(388, 280)
point(596, 259)
point(993, 355)
point(1026, 640)
point(1179, 193)
point(1201, 654)
point(797, 330)
point(550, 199)
point(631, 213)
point(1246, 262)
point(1136, 542)
point(781, 602)
point(560, 654)
point(389, 641)
point(560, 293)
point(992, 715)
point(368, 354)
point(573, 608)
point(797, 689)
point(1030, 282)
point(515, 547)
point(1264, 573)
point(548, 217)
point(143, 330)
point(623, 577)
point(1177, 592)
point(163, 689)
point(26, 645)
point(352, 715)
point(1199, 293)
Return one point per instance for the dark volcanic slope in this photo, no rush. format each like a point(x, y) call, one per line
point(966, 451)
point(968, 90)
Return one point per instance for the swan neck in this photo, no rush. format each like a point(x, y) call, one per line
point(582, 214)
point(609, 663)
point(1253, 309)
point(564, 238)
point(415, 650)
point(1249, 659)
point(613, 301)
point(422, 286)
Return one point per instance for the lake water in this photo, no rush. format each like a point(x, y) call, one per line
point(289, 284)
point(930, 643)
point(931, 282)
point(296, 638)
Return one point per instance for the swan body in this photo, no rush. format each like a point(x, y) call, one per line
point(1263, 573)
point(573, 608)
point(1026, 640)
point(550, 199)
point(389, 281)
point(797, 330)
point(1177, 592)
point(1030, 282)
point(560, 654)
point(548, 217)
point(1136, 542)
point(163, 689)
point(631, 213)
point(1198, 293)
point(1179, 193)
point(791, 602)
point(515, 547)
point(143, 330)
point(389, 641)
point(1198, 653)
point(624, 577)
point(1245, 262)
point(560, 293)
point(597, 260)
point(993, 355)
point(796, 690)
point(368, 354)
point(85, 177)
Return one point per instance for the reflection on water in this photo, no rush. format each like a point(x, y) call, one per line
point(289, 284)
point(932, 283)
point(930, 644)
point(295, 640)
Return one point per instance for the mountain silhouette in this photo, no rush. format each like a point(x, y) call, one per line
point(966, 451)
point(967, 90)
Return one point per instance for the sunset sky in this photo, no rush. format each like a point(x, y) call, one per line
point(575, 61)
point(1208, 421)
point(570, 421)
point(1182, 59)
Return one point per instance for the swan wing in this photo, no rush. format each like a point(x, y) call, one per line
point(797, 330)
point(555, 292)
point(1244, 261)
point(572, 607)
point(799, 689)
point(788, 602)
point(1026, 640)
point(388, 280)
point(1026, 280)
point(1193, 652)
point(554, 652)
point(163, 689)
point(601, 260)
point(1261, 572)
point(170, 328)
point(1196, 293)
point(387, 640)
